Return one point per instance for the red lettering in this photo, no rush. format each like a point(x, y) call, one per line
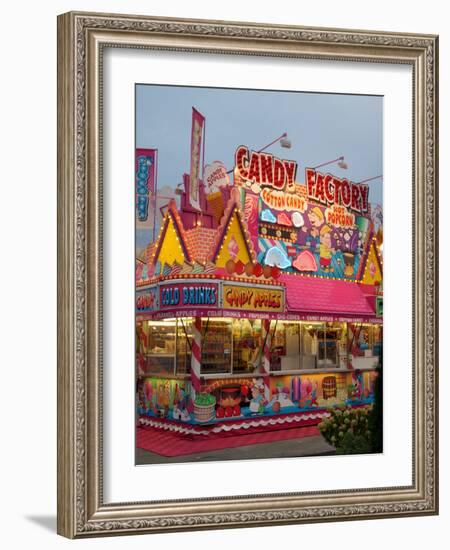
point(337, 190)
point(266, 168)
point(365, 197)
point(320, 187)
point(145, 301)
point(228, 297)
point(332, 190)
point(253, 171)
point(310, 176)
point(242, 161)
point(278, 174)
point(291, 169)
point(346, 195)
point(329, 189)
point(355, 197)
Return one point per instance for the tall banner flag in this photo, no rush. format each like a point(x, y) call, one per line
point(197, 137)
point(145, 166)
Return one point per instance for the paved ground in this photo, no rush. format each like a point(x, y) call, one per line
point(306, 446)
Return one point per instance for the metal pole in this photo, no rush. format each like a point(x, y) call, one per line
point(326, 163)
point(370, 179)
point(154, 194)
point(265, 147)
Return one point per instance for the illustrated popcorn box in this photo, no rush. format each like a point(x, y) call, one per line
point(216, 202)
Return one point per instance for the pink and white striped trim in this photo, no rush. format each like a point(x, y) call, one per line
point(230, 427)
point(196, 354)
point(266, 357)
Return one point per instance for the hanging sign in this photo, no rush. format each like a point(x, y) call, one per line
point(215, 176)
point(146, 300)
point(264, 169)
point(188, 295)
point(280, 200)
point(328, 189)
point(198, 122)
point(339, 216)
point(145, 166)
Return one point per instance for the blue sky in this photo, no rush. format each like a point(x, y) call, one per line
point(320, 126)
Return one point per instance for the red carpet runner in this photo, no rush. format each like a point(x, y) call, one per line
point(168, 444)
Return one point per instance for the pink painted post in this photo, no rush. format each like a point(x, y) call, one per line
point(266, 357)
point(196, 354)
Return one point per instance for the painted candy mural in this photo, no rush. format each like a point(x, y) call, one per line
point(320, 227)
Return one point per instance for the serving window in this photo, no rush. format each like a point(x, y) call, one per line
point(216, 346)
point(365, 340)
point(235, 346)
point(285, 346)
point(184, 346)
point(156, 346)
point(247, 345)
point(304, 346)
point(332, 344)
point(309, 345)
point(164, 347)
point(231, 346)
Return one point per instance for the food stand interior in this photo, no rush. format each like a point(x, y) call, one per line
point(234, 346)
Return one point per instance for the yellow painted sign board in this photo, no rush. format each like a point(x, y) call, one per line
point(254, 299)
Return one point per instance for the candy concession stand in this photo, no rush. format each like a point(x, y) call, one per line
point(261, 309)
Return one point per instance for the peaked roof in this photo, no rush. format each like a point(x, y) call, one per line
point(371, 246)
point(231, 210)
point(365, 253)
point(171, 216)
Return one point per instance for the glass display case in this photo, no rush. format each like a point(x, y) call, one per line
point(285, 346)
point(235, 346)
point(247, 348)
point(365, 344)
point(160, 354)
point(216, 346)
point(308, 346)
point(331, 344)
point(184, 346)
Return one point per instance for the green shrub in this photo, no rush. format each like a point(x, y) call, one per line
point(347, 430)
point(352, 444)
point(376, 415)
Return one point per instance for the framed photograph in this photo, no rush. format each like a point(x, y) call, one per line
point(247, 283)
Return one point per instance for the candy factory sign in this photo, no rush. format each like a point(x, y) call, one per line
point(264, 169)
point(188, 295)
point(249, 298)
point(328, 190)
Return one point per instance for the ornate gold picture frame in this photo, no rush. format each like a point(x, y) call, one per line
point(82, 41)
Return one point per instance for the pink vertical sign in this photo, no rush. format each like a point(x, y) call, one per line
point(198, 123)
